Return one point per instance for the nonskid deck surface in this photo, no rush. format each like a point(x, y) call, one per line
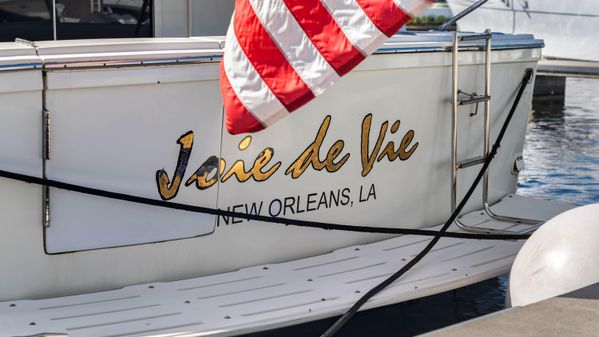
point(271, 296)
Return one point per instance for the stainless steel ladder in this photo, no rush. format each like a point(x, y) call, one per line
point(460, 98)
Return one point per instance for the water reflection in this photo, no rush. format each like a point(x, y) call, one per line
point(562, 147)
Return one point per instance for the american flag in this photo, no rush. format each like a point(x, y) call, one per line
point(280, 54)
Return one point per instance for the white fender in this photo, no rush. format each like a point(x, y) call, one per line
point(560, 257)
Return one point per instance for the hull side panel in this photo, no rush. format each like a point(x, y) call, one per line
point(413, 89)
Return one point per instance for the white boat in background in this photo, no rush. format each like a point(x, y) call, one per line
point(569, 28)
point(437, 9)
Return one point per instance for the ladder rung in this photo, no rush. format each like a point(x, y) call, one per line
point(471, 162)
point(474, 100)
point(476, 37)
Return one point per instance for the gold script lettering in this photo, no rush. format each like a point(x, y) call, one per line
point(369, 158)
point(405, 142)
point(166, 188)
point(389, 151)
point(200, 177)
point(310, 156)
point(257, 170)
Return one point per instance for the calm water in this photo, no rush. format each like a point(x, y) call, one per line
point(562, 163)
point(562, 147)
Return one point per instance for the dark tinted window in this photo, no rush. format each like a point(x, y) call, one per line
point(75, 19)
point(84, 19)
point(27, 19)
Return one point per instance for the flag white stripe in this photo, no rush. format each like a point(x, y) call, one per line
point(296, 70)
point(295, 45)
point(249, 87)
point(356, 25)
point(412, 7)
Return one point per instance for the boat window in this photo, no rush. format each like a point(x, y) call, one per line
point(75, 19)
point(28, 19)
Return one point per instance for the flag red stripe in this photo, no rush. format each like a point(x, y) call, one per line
point(385, 15)
point(237, 118)
point(268, 60)
point(325, 34)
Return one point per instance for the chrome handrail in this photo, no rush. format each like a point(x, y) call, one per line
point(458, 165)
point(462, 14)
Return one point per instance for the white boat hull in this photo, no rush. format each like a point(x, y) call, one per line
point(115, 126)
point(568, 28)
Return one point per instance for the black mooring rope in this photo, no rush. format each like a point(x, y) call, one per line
point(352, 311)
point(437, 235)
point(255, 217)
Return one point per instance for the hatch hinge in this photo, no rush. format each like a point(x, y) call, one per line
point(46, 140)
point(46, 207)
point(47, 134)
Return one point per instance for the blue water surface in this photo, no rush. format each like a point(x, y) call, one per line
point(562, 147)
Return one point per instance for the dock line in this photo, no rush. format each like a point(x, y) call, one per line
point(526, 79)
